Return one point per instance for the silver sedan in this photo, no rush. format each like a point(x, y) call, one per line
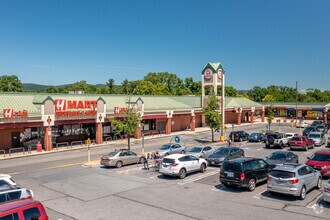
point(201, 151)
point(120, 158)
point(294, 179)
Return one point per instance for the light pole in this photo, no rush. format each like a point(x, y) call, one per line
point(296, 101)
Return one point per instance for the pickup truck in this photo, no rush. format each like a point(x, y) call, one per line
point(276, 139)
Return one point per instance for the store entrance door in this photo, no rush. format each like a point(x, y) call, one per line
point(15, 139)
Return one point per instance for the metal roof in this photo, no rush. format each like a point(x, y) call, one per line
point(240, 102)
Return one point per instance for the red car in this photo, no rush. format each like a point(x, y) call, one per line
point(320, 161)
point(25, 209)
point(301, 142)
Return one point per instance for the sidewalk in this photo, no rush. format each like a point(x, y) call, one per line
point(106, 143)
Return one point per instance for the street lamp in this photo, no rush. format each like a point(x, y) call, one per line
point(296, 101)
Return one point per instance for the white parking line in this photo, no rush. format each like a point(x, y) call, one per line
point(258, 196)
point(198, 178)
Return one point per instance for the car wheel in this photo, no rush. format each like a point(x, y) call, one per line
point(119, 164)
point(182, 152)
point(319, 183)
point(312, 146)
point(202, 168)
point(281, 145)
point(267, 146)
point(182, 173)
point(302, 195)
point(252, 185)
point(141, 159)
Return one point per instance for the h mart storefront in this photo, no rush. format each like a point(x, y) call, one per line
point(55, 119)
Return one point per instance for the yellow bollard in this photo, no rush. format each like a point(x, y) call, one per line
point(222, 138)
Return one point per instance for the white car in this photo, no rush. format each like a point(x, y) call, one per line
point(326, 193)
point(302, 124)
point(6, 179)
point(10, 193)
point(290, 135)
point(179, 165)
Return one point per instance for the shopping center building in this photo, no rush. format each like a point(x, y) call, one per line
point(57, 118)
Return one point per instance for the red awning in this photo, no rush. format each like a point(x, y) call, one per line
point(153, 116)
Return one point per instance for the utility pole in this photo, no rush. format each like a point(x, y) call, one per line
point(296, 102)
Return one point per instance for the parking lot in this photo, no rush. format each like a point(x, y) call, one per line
point(82, 192)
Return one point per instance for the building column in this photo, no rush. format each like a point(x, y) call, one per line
point(251, 117)
point(48, 139)
point(99, 132)
point(192, 123)
point(325, 117)
point(137, 134)
point(263, 115)
point(168, 125)
point(239, 116)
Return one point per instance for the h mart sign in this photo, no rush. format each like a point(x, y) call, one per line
point(67, 108)
point(10, 113)
point(119, 110)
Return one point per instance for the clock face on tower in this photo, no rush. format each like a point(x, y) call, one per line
point(208, 74)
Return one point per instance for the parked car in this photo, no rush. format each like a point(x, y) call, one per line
point(302, 124)
point(257, 137)
point(280, 157)
point(317, 123)
point(317, 137)
point(180, 165)
point(321, 128)
point(6, 179)
point(301, 142)
point(120, 158)
point(276, 139)
point(23, 210)
point(201, 152)
point(320, 161)
point(239, 136)
point(326, 193)
point(10, 193)
point(290, 135)
point(225, 153)
point(307, 130)
point(244, 172)
point(293, 179)
point(168, 149)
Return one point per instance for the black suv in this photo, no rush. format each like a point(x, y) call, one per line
point(308, 130)
point(244, 172)
point(239, 136)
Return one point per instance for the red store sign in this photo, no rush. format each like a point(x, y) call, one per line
point(119, 110)
point(68, 108)
point(10, 113)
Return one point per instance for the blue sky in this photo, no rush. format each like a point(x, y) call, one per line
point(259, 42)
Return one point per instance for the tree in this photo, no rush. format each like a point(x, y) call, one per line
point(257, 93)
point(102, 90)
point(127, 125)
point(10, 84)
point(269, 98)
point(111, 85)
point(270, 116)
point(212, 115)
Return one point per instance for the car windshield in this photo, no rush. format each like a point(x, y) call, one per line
point(165, 147)
point(297, 138)
point(254, 134)
point(289, 135)
point(321, 157)
point(232, 167)
point(320, 126)
point(167, 160)
point(277, 156)
point(275, 136)
point(112, 154)
point(222, 151)
point(314, 136)
point(309, 128)
point(282, 174)
point(195, 150)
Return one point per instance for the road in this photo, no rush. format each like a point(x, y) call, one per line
point(70, 190)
